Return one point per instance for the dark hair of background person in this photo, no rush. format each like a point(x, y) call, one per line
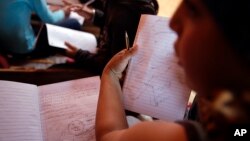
point(231, 16)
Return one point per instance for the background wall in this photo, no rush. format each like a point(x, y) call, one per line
point(167, 7)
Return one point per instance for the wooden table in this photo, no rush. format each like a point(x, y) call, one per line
point(48, 76)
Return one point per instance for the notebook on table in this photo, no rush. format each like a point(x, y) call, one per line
point(61, 111)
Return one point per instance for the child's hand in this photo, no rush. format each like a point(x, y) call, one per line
point(71, 50)
point(119, 62)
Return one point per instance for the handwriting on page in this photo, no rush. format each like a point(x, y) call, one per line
point(19, 112)
point(68, 110)
point(154, 82)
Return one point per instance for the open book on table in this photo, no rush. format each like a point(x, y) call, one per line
point(56, 36)
point(61, 111)
point(154, 83)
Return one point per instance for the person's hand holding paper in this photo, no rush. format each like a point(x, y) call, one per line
point(82, 9)
point(71, 50)
point(57, 36)
point(119, 62)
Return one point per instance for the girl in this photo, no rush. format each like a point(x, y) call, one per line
point(213, 48)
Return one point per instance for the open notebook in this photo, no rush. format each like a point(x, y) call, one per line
point(62, 111)
point(154, 84)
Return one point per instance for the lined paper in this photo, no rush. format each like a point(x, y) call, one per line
point(68, 109)
point(154, 84)
point(19, 112)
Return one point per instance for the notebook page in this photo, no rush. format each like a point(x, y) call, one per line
point(154, 83)
point(19, 112)
point(58, 35)
point(68, 109)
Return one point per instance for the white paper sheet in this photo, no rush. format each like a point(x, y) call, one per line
point(154, 84)
point(79, 18)
point(68, 109)
point(19, 112)
point(58, 35)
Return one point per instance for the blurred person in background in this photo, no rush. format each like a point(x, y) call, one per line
point(114, 17)
point(17, 35)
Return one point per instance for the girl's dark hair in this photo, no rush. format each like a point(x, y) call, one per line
point(233, 18)
point(156, 5)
